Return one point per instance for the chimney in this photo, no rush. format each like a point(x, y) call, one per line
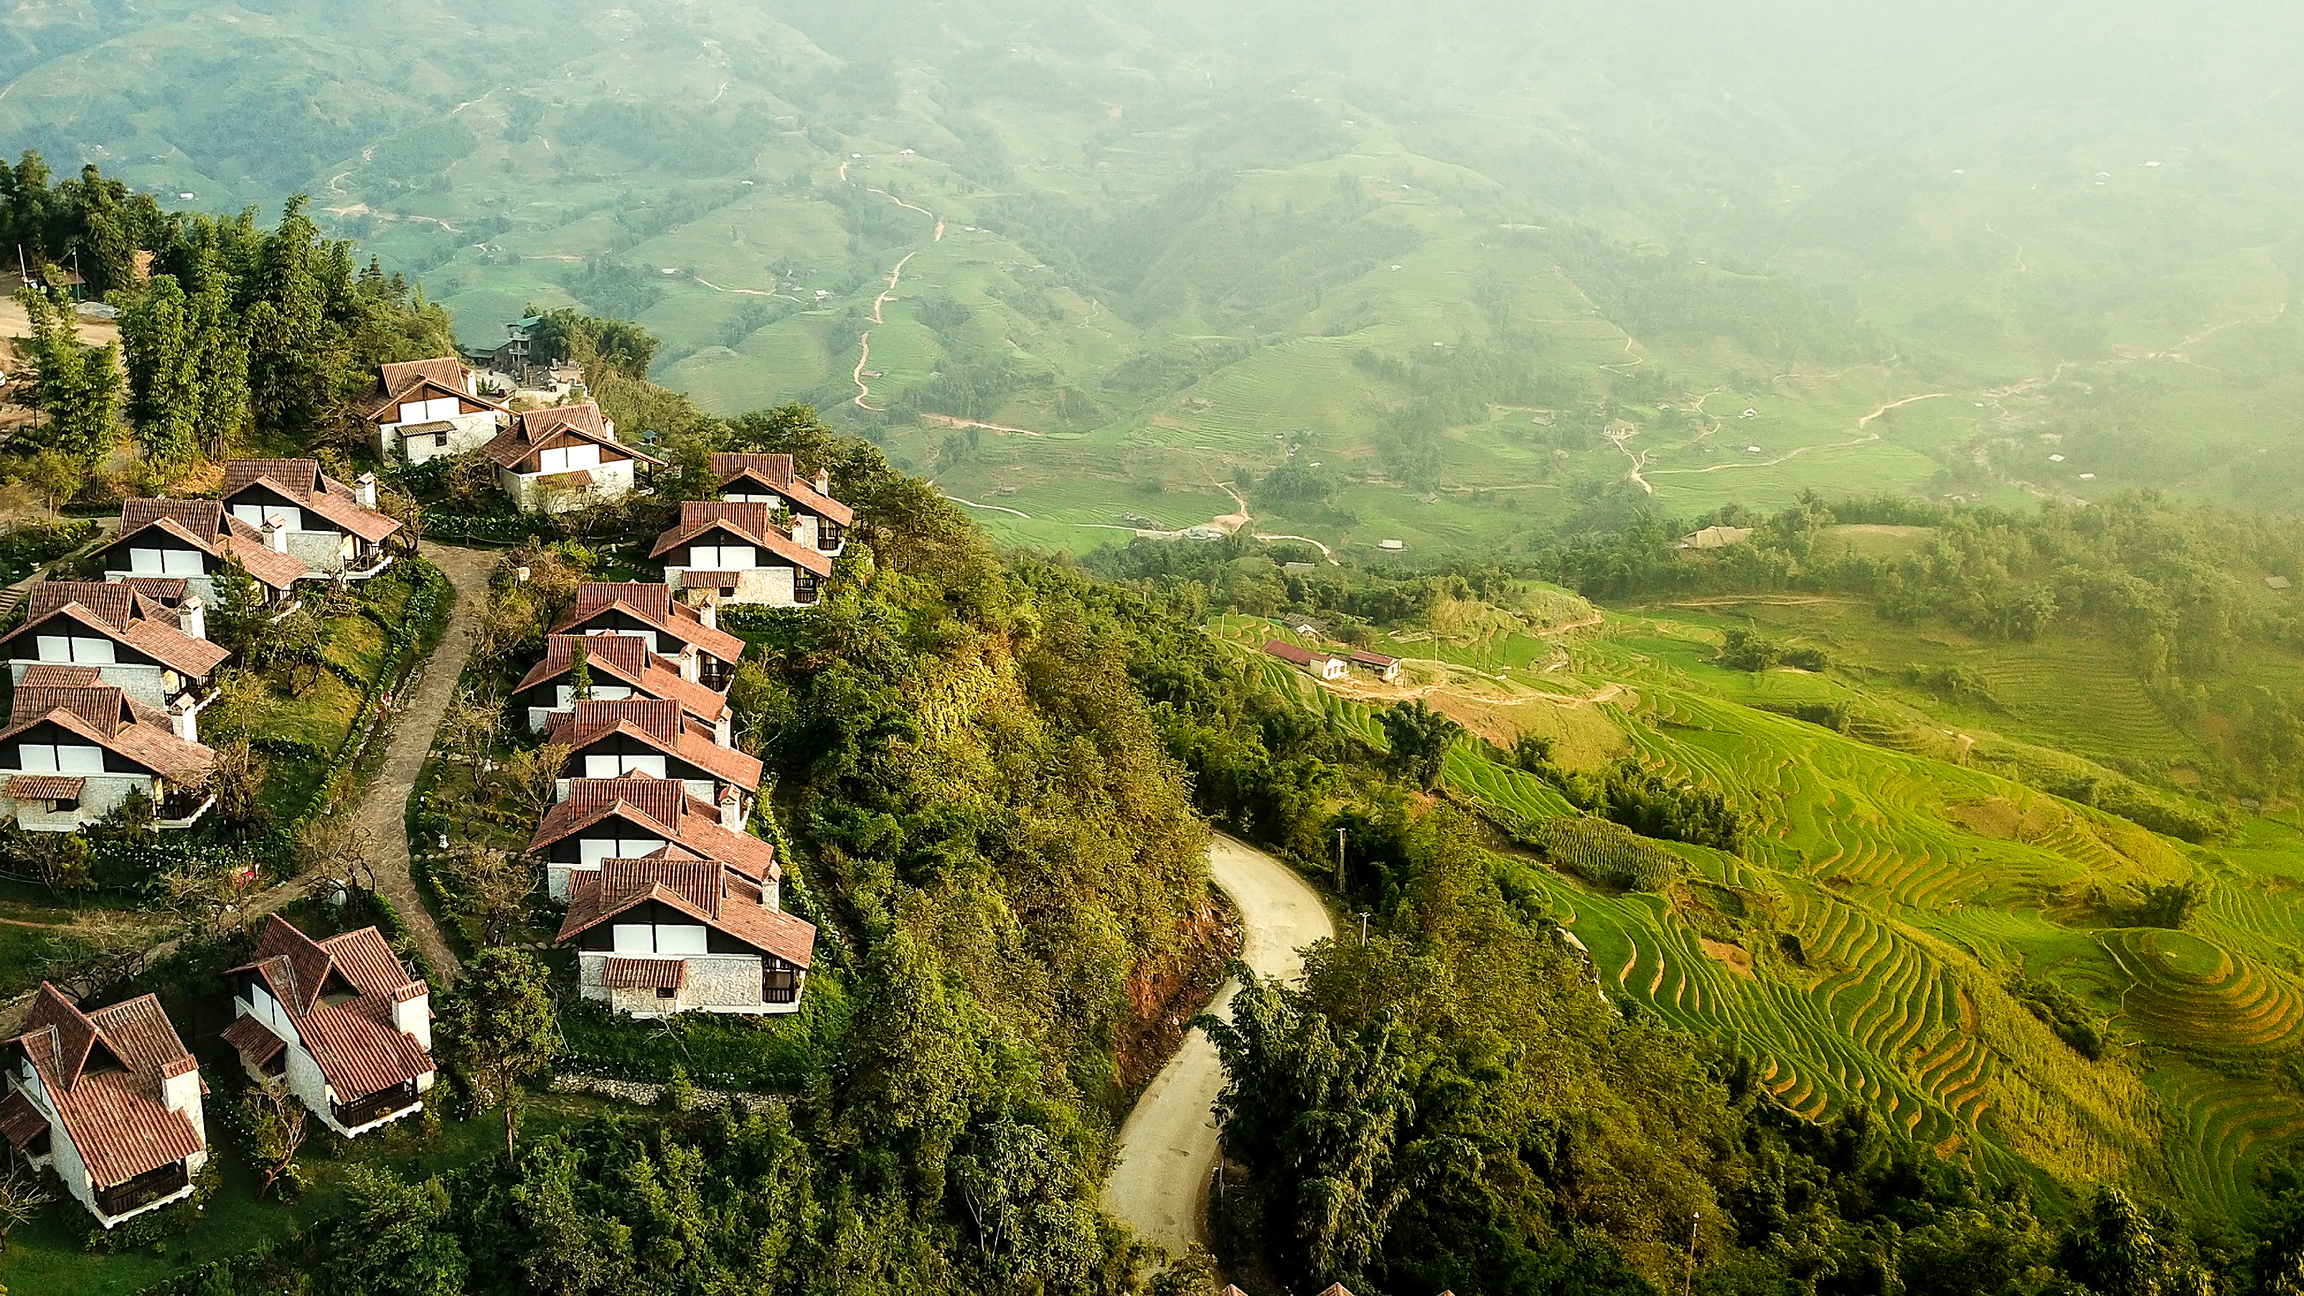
point(708, 615)
point(187, 721)
point(276, 532)
point(180, 1092)
point(691, 664)
point(367, 486)
point(772, 888)
point(724, 732)
point(732, 809)
point(412, 1013)
point(192, 617)
point(824, 483)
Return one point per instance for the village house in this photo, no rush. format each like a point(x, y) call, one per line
point(1377, 664)
point(564, 458)
point(333, 528)
point(635, 817)
point(613, 739)
point(740, 553)
point(620, 667)
point(156, 654)
point(654, 937)
point(339, 1020)
point(428, 409)
point(1323, 666)
point(669, 627)
point(110, 1101)
point(818, 520)
point(191, 541)
point(77, 749)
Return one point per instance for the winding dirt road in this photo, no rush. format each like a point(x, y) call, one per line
point(1159, 1185)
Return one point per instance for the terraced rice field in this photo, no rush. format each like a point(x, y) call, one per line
point(2188, 991)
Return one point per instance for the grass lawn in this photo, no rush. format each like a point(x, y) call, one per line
point(48, 1254)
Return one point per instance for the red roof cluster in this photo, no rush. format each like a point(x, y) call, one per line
point(104, 1073)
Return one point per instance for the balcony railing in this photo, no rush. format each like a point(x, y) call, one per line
point(143, 1190)
point(376, 1106)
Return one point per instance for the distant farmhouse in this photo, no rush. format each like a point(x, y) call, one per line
point(1716, 537)
point(1323, 666)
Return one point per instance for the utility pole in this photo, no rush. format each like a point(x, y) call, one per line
point(1363, 927)
point(1339, 861)
point(1688, 1279)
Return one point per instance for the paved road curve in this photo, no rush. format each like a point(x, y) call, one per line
point(1168, 1145)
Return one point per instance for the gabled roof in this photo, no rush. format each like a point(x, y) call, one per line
point(356, 1043)
point(773, 472)
point(720, 897)
point(117, 602)
point(104, 715)
point(1290, 653)
point(536, 430)
point(1363, 657)
point(158, 639)
point(407, 379)
point(661, 807)
point(113, 1111)
point(628, 659)
point(657, 723)
point(652, 605)
point(302, 481)
point(206, 525)
point(158, 591)
point(749, 522)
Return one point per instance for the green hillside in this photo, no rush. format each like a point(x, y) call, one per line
point(1108, 257)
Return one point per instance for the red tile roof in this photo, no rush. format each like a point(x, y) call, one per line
point(664, 809)
point(254, 1041)
point(104, 715)
point(356, 1043)
point(114, 1114)
point(658, 723)
point(1363, 657)
point(158, 639)
point(629, 659)
point(404, 380)
point(644, 974)
point(206, 526)
point(717, 896)
point(53, 675)
point(774, 472)
point(1289, 652)
point(302, 481)
point(47, 787)
point(537, 430)
point(651, 605)
point(750, 522)
point(20, 1121)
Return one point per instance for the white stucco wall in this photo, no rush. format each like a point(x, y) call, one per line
point(722, 983)
point(468, 432)
point(531, 493)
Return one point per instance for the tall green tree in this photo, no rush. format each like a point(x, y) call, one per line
point(396, 1239)
point(239, 615)
point(1419, 738)
point(500, 1031)
point(163, 353)
point(79, 387)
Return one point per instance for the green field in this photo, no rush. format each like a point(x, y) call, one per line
point(1864, 945)
point(1187, 247)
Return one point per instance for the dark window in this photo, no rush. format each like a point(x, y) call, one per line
point(39, 1145)
point(277, 1065)
point(804, 585)
point(779, 983)
point(440, 440)
point(667, 992)
point(829, 534)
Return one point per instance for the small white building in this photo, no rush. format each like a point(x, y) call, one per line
point(655, 937)
point(565, 458)
point(427, 409)
point(340, 1020)
point(334, 529)
point(614, 739)
point(651, 614)
point(110, 1101)
point(635, 817)
point(156, 654)
point(818, 520)
point(193, 541)
point(76, 749)
point(741, 553)
point(621, 666)
point(1326, 667)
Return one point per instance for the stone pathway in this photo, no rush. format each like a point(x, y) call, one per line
point(411, 726)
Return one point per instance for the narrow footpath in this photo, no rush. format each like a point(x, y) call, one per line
point(1160, 1183)
point(414, 723)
